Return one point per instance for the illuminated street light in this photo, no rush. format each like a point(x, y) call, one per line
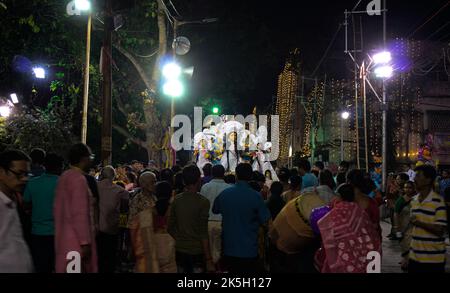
point(173, 88)
point(14, 98)
point(345, 115)
point(382, 58)
point(39, 72)
point(384, 71)
point(83, 5)
point(5, 111)
point(171, 71)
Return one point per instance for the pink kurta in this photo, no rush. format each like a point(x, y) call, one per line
point(74, 225)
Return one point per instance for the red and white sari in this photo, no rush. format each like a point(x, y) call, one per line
point(348, 235)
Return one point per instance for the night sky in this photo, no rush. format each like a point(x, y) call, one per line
point(241, 56)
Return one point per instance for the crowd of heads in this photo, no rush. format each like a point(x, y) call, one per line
point(138, 174)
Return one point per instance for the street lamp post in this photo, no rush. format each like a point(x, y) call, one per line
point(5, 111)
point(172, 88)
point(86, 80)
point(176, 25)
point(385, 71)
point(384, 144)
point(85, 5)
point(344, 116)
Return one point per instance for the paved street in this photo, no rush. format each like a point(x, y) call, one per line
point(391, 253)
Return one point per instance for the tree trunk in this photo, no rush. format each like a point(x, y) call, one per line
point(154, 131)
point(154, 126)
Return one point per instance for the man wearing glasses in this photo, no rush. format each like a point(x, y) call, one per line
point(74, 215)
point(14, 253)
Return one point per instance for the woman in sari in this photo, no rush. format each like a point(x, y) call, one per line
point(165, 244)
point(153, 247)
point(140, 225)
point(292, 235)
point(362, 187)
point(348, 235)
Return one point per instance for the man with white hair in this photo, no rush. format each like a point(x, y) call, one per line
point(110, 196)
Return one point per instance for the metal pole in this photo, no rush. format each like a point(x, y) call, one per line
point(172, 155)
point(346, 31)
point(358, 163)
point(384, 105)
point(342, 139)
point(86, 81)
point(171, 151)
point(106, 148)
point(365, 116)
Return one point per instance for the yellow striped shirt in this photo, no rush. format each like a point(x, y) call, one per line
point(427, 247)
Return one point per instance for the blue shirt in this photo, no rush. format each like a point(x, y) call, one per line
point(444, 184)
point(243, 211)
point(40, 192)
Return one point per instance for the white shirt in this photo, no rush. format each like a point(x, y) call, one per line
point(14, 253)
point(211, 190)
point(411, 175)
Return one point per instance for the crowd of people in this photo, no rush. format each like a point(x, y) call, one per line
point(187, 220)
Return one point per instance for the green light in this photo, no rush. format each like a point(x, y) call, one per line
point(215, 110)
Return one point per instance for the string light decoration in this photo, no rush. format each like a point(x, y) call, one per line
point(288, 82)
point(308, 106)
point(341, 96)
point(313, 105)
point(319, 107)
point(334, 124)
point(354, 123)
point(403, 98)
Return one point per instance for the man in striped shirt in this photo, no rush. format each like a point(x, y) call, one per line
point(429, 220)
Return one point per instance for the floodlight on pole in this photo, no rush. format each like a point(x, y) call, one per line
point(14, 98)
point(171, 71)
point(345, 115)
point(173, 88)
point(39, 72)
point(384, 71)
point(5, 111)
point(83, 5)
point(382, 58)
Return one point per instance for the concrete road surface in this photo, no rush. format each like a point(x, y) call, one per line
point(391, 253)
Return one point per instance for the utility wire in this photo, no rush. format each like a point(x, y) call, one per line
point(429, 19)
point(327, 50)
point(443, 38)
point(356, 6)
point(167, 9)
point(174, 8)
point(441, 28)
point(167, 12)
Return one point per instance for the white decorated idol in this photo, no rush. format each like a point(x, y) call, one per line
point(258, 159)
point(230, 156)
point(201, 149)
point(267, 165)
